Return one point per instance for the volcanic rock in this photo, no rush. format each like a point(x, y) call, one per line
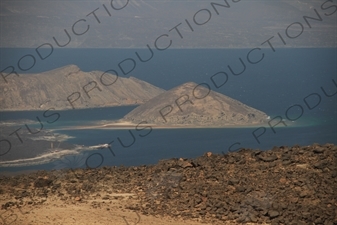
point(212, 191)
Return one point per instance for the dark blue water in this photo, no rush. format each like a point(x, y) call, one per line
point(294, 84)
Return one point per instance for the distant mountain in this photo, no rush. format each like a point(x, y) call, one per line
point(68, 87)
point(195, 105)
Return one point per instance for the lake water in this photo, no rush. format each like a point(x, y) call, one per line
point(295, 84)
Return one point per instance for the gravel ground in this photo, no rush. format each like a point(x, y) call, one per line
point(284, 185)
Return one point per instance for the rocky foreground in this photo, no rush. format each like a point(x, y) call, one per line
point(285, 185)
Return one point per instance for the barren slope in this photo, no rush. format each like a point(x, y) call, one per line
point(52, 88)
point(191, 104)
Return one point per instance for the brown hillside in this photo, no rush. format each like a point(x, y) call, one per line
point(52, 88)
point(187, 105)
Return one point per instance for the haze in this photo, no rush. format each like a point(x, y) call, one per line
point(136, 23)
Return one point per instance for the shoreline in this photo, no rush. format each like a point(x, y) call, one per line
point(47, 157)
point(40, 159)
point(65, 109)
point(128, 125)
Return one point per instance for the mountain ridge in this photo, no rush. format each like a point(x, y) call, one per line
point(68, 87)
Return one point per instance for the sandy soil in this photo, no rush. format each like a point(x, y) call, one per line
point(55, 211)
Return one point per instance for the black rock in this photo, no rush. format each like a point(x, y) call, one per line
point(272, 214)
point(42, 182)
point(319, 150)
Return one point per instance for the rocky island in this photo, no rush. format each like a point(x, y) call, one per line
point(197, 106)
point(188, 105)
point(68, 88)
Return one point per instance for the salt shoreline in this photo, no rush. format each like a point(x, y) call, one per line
point(40, 159)
point(128, 125)
point(47, 157)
